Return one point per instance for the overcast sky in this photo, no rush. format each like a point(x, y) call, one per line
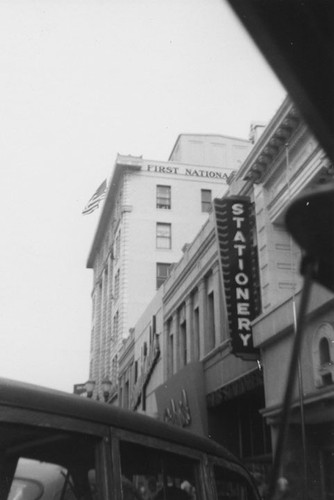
point(82, 80)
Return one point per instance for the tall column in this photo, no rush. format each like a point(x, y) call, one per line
point(102, 331)
point(97, 332)
point(93, 337)
point(109, 317)
point(104, 323)
point(202, 299)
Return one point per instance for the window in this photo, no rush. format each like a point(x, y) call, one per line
point(323, 355)
point(155, 473)
point(230, 484)
point(46, 463)
point(118, 246)
point(196, 334)
point(114, 370)
point(325, 361)
point(136, 371)
point(164, 235)
point(211, 321)
point(170, 348)
point(115, 326)
point(183, 339)
point(163, 271)
point(206, 200)
point(164, 197)
point(183, 353)
point(126, 395)
point(117, 281)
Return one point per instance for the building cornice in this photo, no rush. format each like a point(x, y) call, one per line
point(268, 147)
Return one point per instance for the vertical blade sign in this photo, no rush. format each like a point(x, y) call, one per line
point(234, 238)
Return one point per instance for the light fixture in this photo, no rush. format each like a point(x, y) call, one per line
point(106, 389)
point(90, 385)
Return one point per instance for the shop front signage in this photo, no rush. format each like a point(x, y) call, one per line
point(150, 361)
point(234, 237)
point(178, 412)
point(181, 399)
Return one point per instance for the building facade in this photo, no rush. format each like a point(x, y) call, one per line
point(198, 381)
point(151, 210)
point(286, 161)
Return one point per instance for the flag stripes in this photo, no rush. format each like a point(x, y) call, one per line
point(95, 200)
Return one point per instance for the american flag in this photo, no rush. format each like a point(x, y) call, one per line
point(95, 200)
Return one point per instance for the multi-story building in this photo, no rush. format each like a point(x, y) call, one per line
point(198, 378)
point(152, 208)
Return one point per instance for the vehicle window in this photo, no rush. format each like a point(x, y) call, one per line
point(34, 479)
point(154, 474)
point(230, 485)
point(46, 464)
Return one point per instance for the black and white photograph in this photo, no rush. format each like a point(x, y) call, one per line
point(167, 250)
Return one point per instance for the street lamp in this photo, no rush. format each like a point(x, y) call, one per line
point(106, 389)
point(90, 384)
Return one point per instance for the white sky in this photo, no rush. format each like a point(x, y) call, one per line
point(82, 80)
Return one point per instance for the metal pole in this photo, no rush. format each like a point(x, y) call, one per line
point(302, 413)
point(300, 379)
point(285, 415)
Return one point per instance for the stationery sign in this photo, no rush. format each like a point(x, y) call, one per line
point(233, 232)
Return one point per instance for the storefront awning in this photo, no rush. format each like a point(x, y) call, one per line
point(242, 385)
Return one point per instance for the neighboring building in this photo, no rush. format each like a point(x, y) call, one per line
point(152, 209)
point(140, 367)
point(285, 161)
point(199, 380)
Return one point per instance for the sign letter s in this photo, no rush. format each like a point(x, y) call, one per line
point(237, 209)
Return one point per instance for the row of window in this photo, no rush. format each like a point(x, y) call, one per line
point(185, 331)
point(164, 198)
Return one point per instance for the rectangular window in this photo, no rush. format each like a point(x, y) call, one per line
point(126, 395)
point(40, 462)
point(163, 271)
point(183, 340)
point(196, 334)
point(115, 326)
point(136, 371)
point(164, 197)
point(155, 473)
point(211, 322)
point(114, 370)
point(118, 246)
point(206, 199)
point(116, 287)
point(230, 484)
point(170, 348)
point(164, 235)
